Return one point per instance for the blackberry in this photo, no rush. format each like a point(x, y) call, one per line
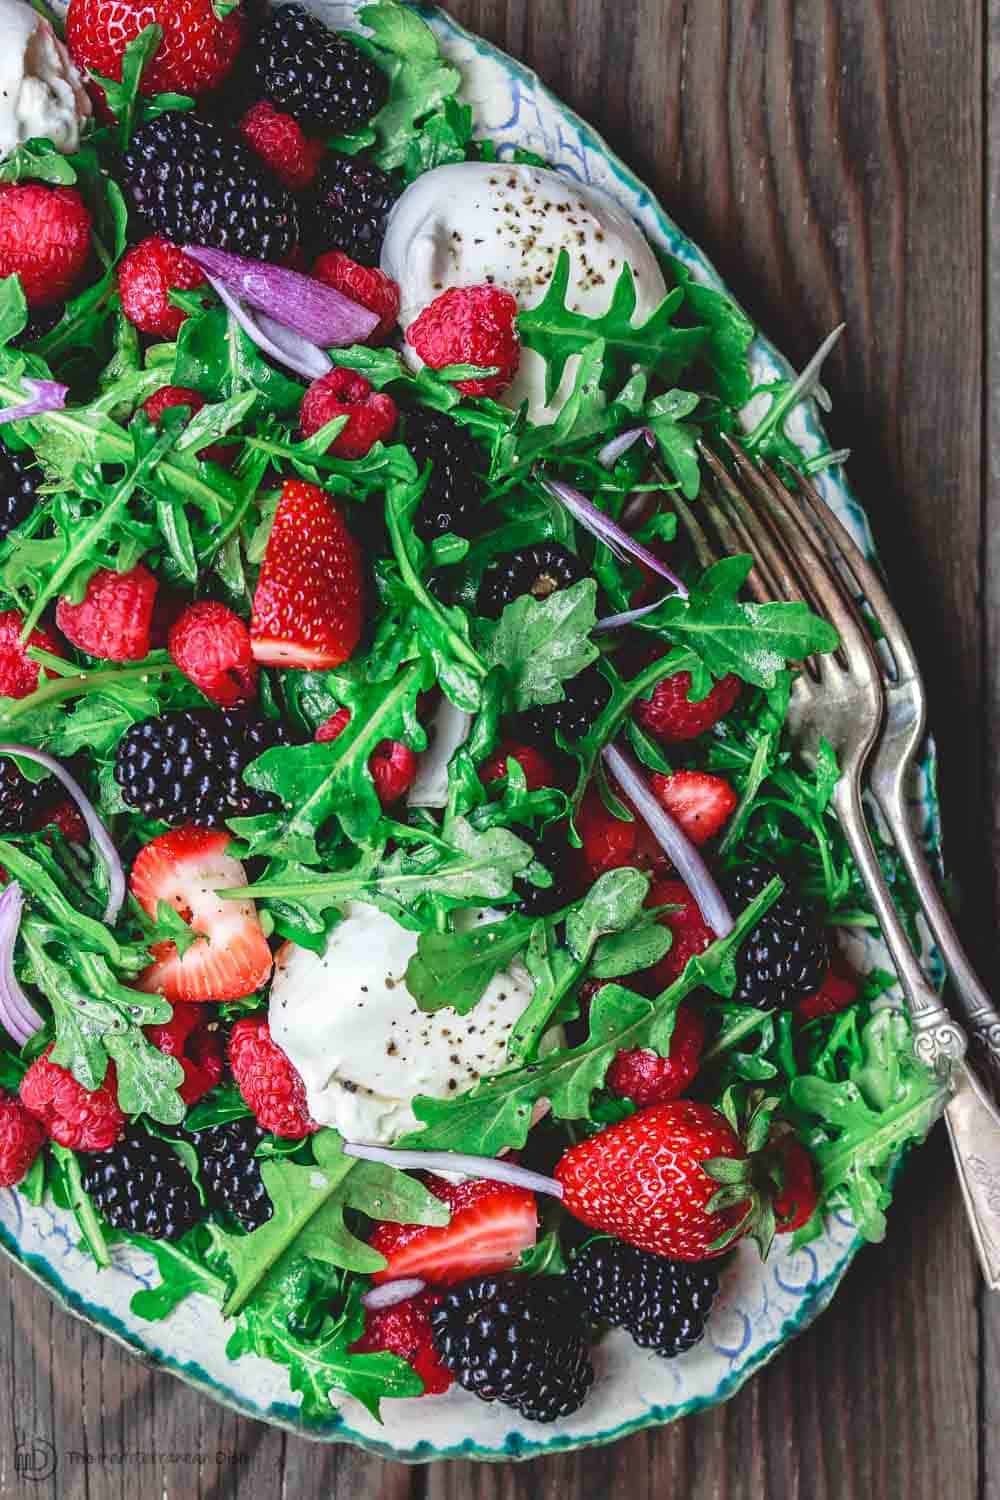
point(348, 207)
point(521, 1340)
point(787, 955)
point(664, 1304)
point(316, 75)
point(186, 766)
point(196, 183)
point(141, 1185)
point(41, 320)
point(230, 1173)
point(19, 480)
point(540, 570)
point(20, 799)
point(554, 853)
point(586, 697)
point(454, 490)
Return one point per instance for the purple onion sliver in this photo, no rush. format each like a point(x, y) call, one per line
point(17, 1015)
point(102, 839)
point(627, 617)
point(613, 450)
point(319, 313)
point(306, 359)
point(594, 520)
point(46, 395)
point(672, 839)
point(453, 1161)
point(391, 1292)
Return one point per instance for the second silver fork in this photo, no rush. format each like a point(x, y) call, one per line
point(844, 704)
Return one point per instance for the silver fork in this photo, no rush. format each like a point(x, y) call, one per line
point(842, 698)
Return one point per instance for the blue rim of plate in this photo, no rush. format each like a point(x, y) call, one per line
point(769, 364)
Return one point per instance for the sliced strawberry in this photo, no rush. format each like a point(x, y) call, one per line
point(185, 868)
point(307, 608)
point(491, 1225)
point(700, 802)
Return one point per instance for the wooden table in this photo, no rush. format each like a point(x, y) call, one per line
point(832, 157)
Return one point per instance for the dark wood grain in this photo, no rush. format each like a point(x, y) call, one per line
point(829, 155)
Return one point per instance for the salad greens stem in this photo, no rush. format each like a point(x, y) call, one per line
point(58, 689)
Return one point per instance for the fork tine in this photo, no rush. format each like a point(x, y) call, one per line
point(810, 564)
point(699, 541)
point(751, 536)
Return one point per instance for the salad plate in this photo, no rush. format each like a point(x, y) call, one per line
point(165, 1305)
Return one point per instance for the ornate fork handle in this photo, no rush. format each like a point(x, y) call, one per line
point(940, 1043)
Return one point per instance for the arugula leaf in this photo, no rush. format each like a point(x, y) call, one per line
point(541, 643)
point(421, 84)
point(67, 1165)
point(730, 334)
point(183, 1271)
point(37, 160)
point(677, 439)
point(223, 1104)
point(555, 332)
point(454, 968)
point(122, 97)
point(497, 1112)
point(464, 867)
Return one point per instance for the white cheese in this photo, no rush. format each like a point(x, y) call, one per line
point(476, 222)
point(41, 92)
point(354, 1032)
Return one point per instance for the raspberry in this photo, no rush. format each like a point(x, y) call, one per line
point(646, 1078)
point(21, 1139)
point(672, 717)
point(836, 993)
point(147, 275)
point(188, 1037)
point(211, 645)
point(282, 144)
point(405, 1329)
point(538, 769)
point(267, 1081)
point(196, 54)
point(371, 415)
point(19, 675)
point(169, 396)
point(470, 325)
point(365, 284)
point(114, 618)
point(795, 1203)
point(610, 842)
point(67, 817)
point(691, 933)
point(81, 1119)
point(44, 239)
point(391, 765)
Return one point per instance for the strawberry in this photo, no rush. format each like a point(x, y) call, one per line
point(185, 868)
point(371, 415)
point(212, 647)
point(146, 276)
point(491, 1225)
point(798, 1196)
point(281, 142)
point(700, 802)
point(19, 675)
point(470, 325)
point(836, 993)
point(307, 608)
point(44, 239)
point(365, 284)
point(391, 765)
point(538, 769)
point(114, 619)
point(405, 1329)
point(647, 1078)
point(644, 1180)
point(670, 715)
point(196, 54)
point(691, 933)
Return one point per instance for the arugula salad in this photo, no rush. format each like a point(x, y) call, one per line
point(418, 932)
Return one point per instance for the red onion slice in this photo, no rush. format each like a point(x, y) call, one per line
point(46, 395)
point(450, 729)
point(391, 1292)
point(100, 835)
point(612, 451)
point(627, 616)
point(672, 839)
point(624, 546)
point(17, 1014)
point(295, 352)
point(454, 1161)
point(308, 307)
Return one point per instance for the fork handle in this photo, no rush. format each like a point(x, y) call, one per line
point(980, 1013)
